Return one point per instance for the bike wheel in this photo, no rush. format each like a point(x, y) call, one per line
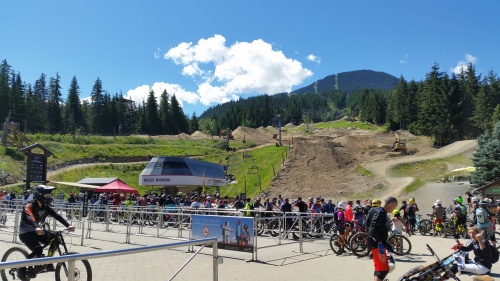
point(274, 228)
point(12, 254)
point(83, 271)
point(359, 244)
point(408, 275)
point(400, 244)
point(425, 227)
point(497, 234)
point(336, 244)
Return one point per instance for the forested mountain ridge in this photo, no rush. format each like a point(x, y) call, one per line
point(351, 81)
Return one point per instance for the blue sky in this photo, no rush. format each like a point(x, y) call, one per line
point(208, 52)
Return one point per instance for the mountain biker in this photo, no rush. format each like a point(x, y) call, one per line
point(439, 212)
point(482, 254)
point(376, 223)
point(396, 222)
point(359, 216)
point(402, 209)
point(340, 218)
point(460, 210)
point(33, 216)
point(410, 212)
point(483, 223)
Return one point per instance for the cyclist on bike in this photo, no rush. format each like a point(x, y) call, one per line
point(439, 213)
point(340, 218)
point(411, 211)
point(483, 222)
point(33, 216)
point(460, 211)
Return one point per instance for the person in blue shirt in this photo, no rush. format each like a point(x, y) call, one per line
point(483, 221)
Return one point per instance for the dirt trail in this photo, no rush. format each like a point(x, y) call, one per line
point(382, 168)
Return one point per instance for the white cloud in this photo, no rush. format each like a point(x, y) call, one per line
point(243, 68)
point(141, 93)
point(403, 60)
point(314, 58)
point(462, 65)
point(157, 53)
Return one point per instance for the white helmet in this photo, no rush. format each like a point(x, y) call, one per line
point(439, 202)
point(475, 199)
point(342, 205)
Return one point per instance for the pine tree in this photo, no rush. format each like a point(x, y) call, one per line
point(4, 90)
point(73, 115)
point(179, 122)
point(17, 99)
point(486, 158)
point(97, 111)
point(39, 106)
point(152, 117)
point(165, 113)
point(54, 105)
point(193, 123)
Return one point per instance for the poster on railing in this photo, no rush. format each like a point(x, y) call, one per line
point(233, 233)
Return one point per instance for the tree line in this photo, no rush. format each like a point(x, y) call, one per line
point(446, 108)
point(40, 108)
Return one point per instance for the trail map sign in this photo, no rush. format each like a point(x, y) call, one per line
point(36, 170)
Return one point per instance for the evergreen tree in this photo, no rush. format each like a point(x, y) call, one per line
point(39, 106)
point(470, 84)
point(54, 105)
point(152, 117)
point(179, 122)
point(4, 90)
point(433, 106)
point(165, 113)
point(97, 111)
point(73, 115)
point(193, 123)
point(486, 158)
point(17, 99)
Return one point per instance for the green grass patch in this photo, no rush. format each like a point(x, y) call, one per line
point(364, 172)
point(430, 170)
point(240, 164)
point(414, 186)
point(347, 124)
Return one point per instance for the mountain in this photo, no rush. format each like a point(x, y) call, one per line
point(351, 81)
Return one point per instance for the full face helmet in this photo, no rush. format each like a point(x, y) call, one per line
point(43, 194)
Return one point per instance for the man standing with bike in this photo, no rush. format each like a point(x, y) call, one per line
point(376, 223)
point(31, 231)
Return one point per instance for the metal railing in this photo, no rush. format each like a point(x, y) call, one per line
point(87, 256)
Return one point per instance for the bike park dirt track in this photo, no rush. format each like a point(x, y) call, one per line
point(326, 162)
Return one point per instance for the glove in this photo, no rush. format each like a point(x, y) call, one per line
point(381, 249)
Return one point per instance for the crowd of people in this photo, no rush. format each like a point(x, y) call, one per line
point(375, 216)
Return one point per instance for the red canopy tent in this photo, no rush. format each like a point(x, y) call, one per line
point(117, 186)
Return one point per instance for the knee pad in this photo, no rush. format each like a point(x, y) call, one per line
point(381, 274)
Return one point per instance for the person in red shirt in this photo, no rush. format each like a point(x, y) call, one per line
point(349, 216)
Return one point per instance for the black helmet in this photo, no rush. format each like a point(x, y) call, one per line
point(40, 191)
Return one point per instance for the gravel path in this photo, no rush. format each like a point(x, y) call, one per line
point(429, 193)
point(382, 168)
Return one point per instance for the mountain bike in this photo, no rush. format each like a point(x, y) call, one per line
point(338, 243)
point(55, 245)
point(401, 244)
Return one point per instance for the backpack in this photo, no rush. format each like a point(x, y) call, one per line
point(494, 254)
point(463, 210)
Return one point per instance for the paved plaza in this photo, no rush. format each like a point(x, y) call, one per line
point(275, 259)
